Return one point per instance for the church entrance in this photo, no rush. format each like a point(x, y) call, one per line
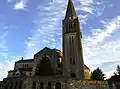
point(73, 75)
point(58, 86)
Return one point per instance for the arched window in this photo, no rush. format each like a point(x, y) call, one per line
point(15, 86)
point(49, 85)
point(58, 86)
point(70, 47)
point(73, 60)
point(20, 84)
point(74, 25)
point(11, 85)
point(41, 85)
point(70, 60)
point(34, 85)
point(7, 86)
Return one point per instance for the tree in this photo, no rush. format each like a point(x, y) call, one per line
point(97, 74)
point(117, 70)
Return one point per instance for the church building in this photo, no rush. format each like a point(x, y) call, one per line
point(50, 67)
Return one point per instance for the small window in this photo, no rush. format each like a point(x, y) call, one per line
point(70, 60)
point(30, 74)
point(73, 61)
point(41, 85)
point(73, 75)
point(34, 85)
point(58, 86)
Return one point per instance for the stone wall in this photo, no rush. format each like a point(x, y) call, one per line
point(66, 83)
point(114, 84)
point(84, 84)
point(63, 83)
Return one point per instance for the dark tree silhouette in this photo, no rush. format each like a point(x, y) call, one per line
point(44, 68)
point(97, 74)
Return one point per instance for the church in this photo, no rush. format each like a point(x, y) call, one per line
point(53, 69)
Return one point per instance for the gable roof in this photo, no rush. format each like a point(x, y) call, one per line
point(86, 67)
point(41, 51)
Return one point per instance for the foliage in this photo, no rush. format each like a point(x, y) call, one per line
point(97, 74)
point(118, 70)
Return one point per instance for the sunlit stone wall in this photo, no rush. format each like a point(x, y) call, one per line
point(85, 84)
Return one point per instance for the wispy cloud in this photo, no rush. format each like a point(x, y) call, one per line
point(86, 6)
point(48, 29)
point(6, 60)
point(98, 48)
point(3, 47)
point(48, 25)
point(7, 65)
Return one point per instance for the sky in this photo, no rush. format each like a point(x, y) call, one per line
point(27, 26)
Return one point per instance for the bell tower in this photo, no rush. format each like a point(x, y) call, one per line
point(72, 46)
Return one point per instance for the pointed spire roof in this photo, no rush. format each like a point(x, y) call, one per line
point(70, 10)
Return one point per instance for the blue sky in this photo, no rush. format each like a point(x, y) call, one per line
point(27, 26)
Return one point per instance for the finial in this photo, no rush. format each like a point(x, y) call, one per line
point(22, 58)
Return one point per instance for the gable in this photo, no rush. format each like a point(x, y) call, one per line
point(44, 50)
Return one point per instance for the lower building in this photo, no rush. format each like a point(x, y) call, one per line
point(45, 68)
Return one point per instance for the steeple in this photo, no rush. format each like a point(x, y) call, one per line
point(70, 10)
point(73, 63)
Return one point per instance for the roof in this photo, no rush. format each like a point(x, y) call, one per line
point(85, 67)
point(24, 61)
point(70, 10)
point(44, 49)
point(115, 78)
point(59, 53)
point(21, 69)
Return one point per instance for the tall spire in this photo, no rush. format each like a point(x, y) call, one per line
point(70, 10)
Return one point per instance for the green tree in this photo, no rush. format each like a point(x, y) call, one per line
point(117, 70)
point(97, 74)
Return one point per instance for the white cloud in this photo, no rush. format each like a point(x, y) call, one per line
point(7, 65)
point(21, 4)
point(86, 6)
point(86, 9)
point(99, 49)
point(108, 29)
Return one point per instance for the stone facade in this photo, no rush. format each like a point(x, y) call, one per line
point(27, 67)
point(49, 82)
point(72, 45)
